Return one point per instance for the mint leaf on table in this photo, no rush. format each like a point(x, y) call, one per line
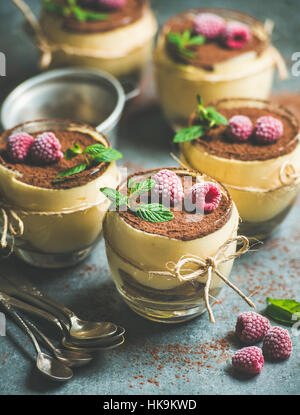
point(283, 310)
point(138, 188)
point(154, 212)
point(70, 172)
point(115, 196)
point(189, 133)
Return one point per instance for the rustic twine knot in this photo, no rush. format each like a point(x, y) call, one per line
point(208, 266)
point(288, 174)
point(11, 223)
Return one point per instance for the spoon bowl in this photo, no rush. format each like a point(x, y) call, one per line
point(53, 368)
point(81, 329)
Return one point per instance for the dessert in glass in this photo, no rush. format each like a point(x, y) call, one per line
point(215, 52)
point(50, 175)
point(114, 36)
point(255, 154)
point(154, 250)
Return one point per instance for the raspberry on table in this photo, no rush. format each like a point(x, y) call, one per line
point(240, 127)
point(168, 187)
point(248, 360)
point(209, 25)
point(251, 327)
point(46, 149)
point(112, 4)
point(206, 196)
point(18, 146)
point(277, 344)
point(236, 35)
point(268, 129)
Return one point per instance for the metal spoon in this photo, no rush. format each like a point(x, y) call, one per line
point(106, 341)
point(46, 364)
point(68, 357)
point(77, 327)
point(69, 345)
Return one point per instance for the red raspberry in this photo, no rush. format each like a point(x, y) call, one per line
point(248, 360)
point(46, 149)
point(240, 127)
point(209, 25)
point(112, 4)
point(277, 343)
point(168, 187)
point(268, 129)
point(18, 146)
point(251, 327)
point(236, 35)
point(206, 196)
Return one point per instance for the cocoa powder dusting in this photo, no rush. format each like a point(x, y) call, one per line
point(184, 226)
point(217, 142)
point(212, 51)
point(44, 176)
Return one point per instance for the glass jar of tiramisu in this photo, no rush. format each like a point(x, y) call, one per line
point(217, 53)
point(50, 175)
point(166, 258)
point(114, 36)
point(255, 153)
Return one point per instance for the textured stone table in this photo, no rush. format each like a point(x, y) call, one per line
point(192, 358)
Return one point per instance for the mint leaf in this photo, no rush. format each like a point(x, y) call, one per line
point(56, 8)
point(107, 154)
point(72, 8)
point(72, 152)
point(197, 40)
point(115, 196)
point(154, 212)
point(189, 133)
point(73, 170)
point(84, 15)
point(138, 188)
point(94, 149)
point(283, 310)
point(215, 116)
point(174, 38)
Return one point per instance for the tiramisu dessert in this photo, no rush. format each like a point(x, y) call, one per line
point(215, 52)
point(50, 175)
point(166, 224)
point(252, 147)
point(112, 35)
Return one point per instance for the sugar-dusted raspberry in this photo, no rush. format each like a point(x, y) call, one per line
point(268, 129)
point(240, 127)
point(248, 360)
point(251, 327)
point(168, 187)
point(18, 146)
point(46, 149)
point(112, 4)
point(209, 25)
point(206, 196)
point(236, 35)
point(277, 344)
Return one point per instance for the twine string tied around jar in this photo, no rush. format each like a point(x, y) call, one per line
point(207, 267)
point(11, 223)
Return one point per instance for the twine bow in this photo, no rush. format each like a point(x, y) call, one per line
point(207, 267)
point(11, 223)
point(288, 174)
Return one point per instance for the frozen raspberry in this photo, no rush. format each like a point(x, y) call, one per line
point(168, 187)
point(236, 35)
point(209, 25)
point(240, 127)
point(277, 343)
point(206, 196)
point(112, 4)
point(46, 149)
point(248, 360)
point(251, 327)
point(18, 146)
point(268, 129)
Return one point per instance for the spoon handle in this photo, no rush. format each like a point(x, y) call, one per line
point(9, 309)
point(34, 311)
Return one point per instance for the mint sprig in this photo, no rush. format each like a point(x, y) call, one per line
point(92, 155)
point(74, 10)
point(207, 118)
point(184, 40)
point(285, 311)
point(150, 212)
